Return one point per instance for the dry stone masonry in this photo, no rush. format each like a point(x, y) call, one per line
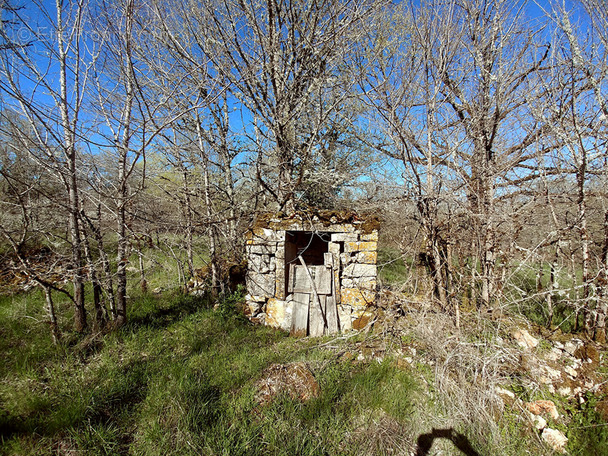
point(312, 274)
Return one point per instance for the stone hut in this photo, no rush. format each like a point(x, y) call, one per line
point(312, 274)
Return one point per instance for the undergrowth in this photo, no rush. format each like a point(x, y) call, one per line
point(179, 378)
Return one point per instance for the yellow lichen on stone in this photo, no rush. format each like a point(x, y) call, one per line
point(360, 246)
point(373, 236)
point(275, 312)
point(357, 298)
point(367, 257)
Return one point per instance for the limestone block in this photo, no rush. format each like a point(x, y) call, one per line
point(333, 248)
point(373, 236)
point(260, 284)
point(346, 258)
point(261, 235)
point(360, 270)
point(255, 263)
point(278, 313)
point(280, 251)
point(524, 339)
point(260, 264)
point(344, 237)
point(365, 283)
point(345, 317)
point(254, 308)
point(280, 283)
point(250, 297)
point(357, 298)
point(268, 248)
point(340, 228)
point(360, 246)
point(366, 257)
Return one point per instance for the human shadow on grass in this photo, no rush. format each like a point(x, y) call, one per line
point(425, 442)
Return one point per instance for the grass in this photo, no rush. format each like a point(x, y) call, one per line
point(180, 379)
point(391, 267)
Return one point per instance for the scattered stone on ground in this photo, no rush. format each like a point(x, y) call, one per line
point(556, 439)
point(524, 339)
point(294, 380)
point(543, 407)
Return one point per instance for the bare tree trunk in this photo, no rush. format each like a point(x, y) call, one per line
point(143, 283)
point(105, 264)
point(189, 223)
point(50, 310)
point(100, 311)
point(600, 327)
point(212, 230)
point(80, 316)
point(582, 226)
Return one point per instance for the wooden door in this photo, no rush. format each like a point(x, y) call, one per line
point(314, 306)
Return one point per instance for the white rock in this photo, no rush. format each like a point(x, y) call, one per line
point(554, 354)
point(570, 371)
point(553, 374)
point(524, 339)
point(538, 421)
point(572, 346)
point(556, 439)
point(503, 392)
point(564, 391)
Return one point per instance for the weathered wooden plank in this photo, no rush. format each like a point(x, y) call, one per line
point(316, 322)
point(323, 279)
point(292, 274)
point(301, 282)
point(331, 312)
point(299, 320)
point(314, 289)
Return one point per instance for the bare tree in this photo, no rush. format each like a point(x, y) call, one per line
point(585, 131)
point(53, 107)
point(280, 57)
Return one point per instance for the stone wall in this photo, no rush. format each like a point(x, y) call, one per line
point(353, 249)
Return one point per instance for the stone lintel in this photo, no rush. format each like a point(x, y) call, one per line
point(344, 237)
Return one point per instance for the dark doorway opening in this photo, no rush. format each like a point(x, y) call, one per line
point(311, 245)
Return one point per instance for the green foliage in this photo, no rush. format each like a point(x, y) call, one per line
point(391, 267)
point(522, 291)
point(229, 305)
point(588, 431)
point(180, 378)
